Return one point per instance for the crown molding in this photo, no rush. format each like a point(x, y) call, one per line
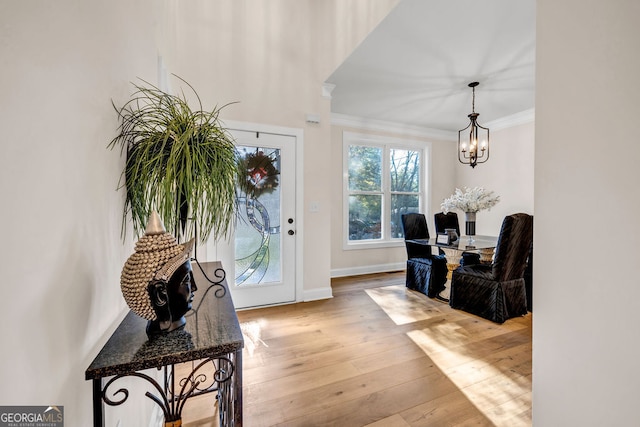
point(363, 123)
point(520, 118)
point(327, 88)
point(392, 127)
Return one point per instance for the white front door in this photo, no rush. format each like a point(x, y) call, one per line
point(260, 259)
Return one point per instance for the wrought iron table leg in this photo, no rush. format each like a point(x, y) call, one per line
point(238, 389)
point(227, 381)
point(98, 412)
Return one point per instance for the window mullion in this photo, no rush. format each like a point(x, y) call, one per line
point(386, 190)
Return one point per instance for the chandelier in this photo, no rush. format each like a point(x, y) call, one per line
point(473, 141)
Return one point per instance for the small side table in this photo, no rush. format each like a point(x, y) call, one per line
point(211, 340)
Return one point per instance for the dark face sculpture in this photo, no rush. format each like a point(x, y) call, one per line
point(171, 300)
point(180, 290)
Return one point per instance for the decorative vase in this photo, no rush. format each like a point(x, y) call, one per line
point(452, 233)
point(470, 225)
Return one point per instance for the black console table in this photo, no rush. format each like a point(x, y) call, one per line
point(211, 340)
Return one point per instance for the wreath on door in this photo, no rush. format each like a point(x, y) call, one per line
point(260, 174)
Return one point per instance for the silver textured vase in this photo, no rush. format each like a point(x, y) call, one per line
point(452, 233)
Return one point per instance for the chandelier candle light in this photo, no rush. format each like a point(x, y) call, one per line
point(469, 151)
point(470, 201)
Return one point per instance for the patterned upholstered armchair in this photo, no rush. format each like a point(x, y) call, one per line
point(497, 291)
point(426, 273)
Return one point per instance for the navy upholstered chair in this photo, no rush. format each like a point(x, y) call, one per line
point(426, 273)
point(446, 220)
point(450, 220)
point(528, 280)
point(497, 291)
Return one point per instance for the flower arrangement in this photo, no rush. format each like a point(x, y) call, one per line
point(470, 200)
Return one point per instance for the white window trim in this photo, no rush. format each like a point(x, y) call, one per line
point(352, 138)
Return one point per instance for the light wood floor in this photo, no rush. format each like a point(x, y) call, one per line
point(378, 354)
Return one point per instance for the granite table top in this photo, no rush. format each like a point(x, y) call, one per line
point(212, 330)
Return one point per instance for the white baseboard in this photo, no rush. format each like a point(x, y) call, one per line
point(317, 294)
point(368, 269)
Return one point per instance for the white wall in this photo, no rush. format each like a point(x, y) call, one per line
point(587, 293)
point(62, 254)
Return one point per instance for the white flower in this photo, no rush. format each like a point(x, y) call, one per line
point(471, 200)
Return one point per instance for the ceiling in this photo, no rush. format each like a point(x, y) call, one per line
point(415, 67)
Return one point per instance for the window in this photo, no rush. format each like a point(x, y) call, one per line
point(383, 180)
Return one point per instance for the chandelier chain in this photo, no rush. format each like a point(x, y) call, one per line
point(473, 99)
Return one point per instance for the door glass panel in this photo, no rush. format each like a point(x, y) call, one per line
point(257, 238)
